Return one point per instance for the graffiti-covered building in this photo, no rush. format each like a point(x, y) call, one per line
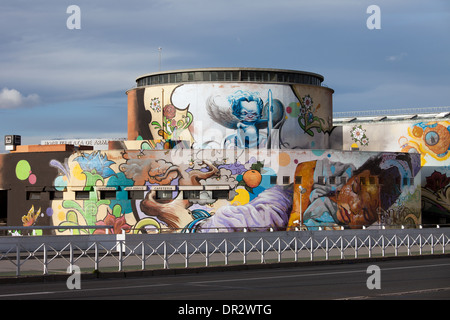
point(216, 150)
point(426, 134)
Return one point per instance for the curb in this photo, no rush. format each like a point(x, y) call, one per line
point(193, 270)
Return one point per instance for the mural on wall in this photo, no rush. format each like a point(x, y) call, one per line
point(436, 193)
point(430, 139)
point(337, 193)
point(340, 191)
point(237, 115)
point(358, 135)
point(247, 114)
point(309, 115)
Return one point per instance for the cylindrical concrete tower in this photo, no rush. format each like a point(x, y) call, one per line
point(232, 107)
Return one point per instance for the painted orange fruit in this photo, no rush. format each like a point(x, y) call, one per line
point(252, 178)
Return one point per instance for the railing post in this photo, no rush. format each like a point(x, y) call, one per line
point(262, 250)
point(409, 249)
point(326, 249)
point(96, 259)
point(186, 255)
point(142, 256)
point(207, 254)
point(17, 259)
point(432, 244)
point(45, 260)
point(295, 249)
point(420, 244)
point(245, 251)
point(70, 258)
point(166, 262)
point(279, 249)
point(396, 247)
point(226, 252)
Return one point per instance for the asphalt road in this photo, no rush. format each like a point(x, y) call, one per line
point(398, 279)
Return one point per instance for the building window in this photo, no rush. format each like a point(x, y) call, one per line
point(332, 180)
point(135, 194)
point(273, 179)
point(107, 195)
point(33, 195)
point(191, 194)
point(286, 180)
point(56, 195)
point(81, 195)
point(220, 194)
point(343, 180)
point(362, 180)
point(321, 180)
point(164, 194)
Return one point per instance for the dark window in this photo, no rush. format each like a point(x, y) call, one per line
point(81, 195)
point(332, 180)
point(56, 195)
point(273, 179)
point(107, 195)
point(220, 194)
point(33, 195)
point(191, 194)
point(321, 180)
point(286, 179)
point(164, 194)
point(135, 194)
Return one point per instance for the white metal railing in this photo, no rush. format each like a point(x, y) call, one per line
point(58, 254)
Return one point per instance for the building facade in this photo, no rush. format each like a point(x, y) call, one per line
point(425, 134)
point(216, 150)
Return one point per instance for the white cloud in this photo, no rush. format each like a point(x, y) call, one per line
point(11, 98)
point(397, 57)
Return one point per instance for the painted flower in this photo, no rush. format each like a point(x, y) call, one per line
point(437, 181)
point(307, 101)
point(169, 111)
point(96, 161)
point(357, 133)
point(155, 105)
point(118, 224)
point(31, 217)
point(365, 141)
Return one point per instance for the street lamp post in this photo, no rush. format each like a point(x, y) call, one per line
point(302, 191)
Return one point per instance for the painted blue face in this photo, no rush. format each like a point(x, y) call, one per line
point(249, 111)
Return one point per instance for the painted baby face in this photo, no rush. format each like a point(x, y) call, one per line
point(249, 111)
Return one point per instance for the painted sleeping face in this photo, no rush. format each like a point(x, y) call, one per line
point(358, 202)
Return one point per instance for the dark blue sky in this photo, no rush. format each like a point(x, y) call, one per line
point(61, 83)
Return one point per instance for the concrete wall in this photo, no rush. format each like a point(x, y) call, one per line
point(202, 190)
point(219, 115)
